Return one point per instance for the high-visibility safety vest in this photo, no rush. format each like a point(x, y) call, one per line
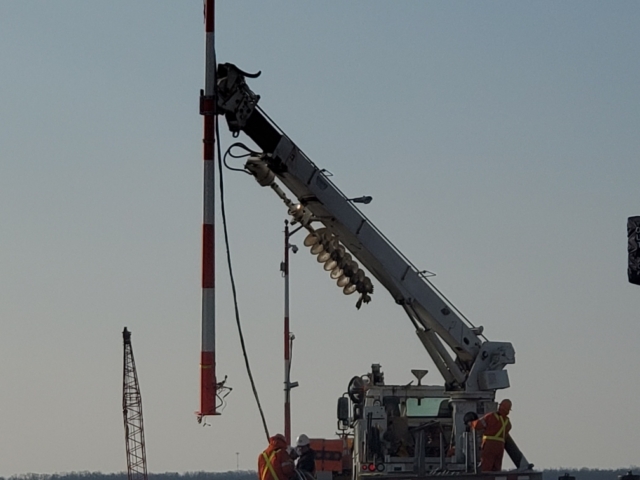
point(269, 463)
point(502, 433)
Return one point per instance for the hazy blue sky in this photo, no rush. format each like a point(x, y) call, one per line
point(499, 140)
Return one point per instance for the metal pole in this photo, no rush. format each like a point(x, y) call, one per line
point(465, 436)
point(288, 336)
point(208, 109)
point(475, 451)
point(287, 351)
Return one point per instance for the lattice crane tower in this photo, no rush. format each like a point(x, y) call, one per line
point(132, 413)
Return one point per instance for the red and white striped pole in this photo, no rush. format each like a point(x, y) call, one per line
point(208, 109)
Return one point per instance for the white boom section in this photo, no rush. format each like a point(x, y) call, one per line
point(429, 312)
point(407, 286)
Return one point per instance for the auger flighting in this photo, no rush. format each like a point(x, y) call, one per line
point(346, 271)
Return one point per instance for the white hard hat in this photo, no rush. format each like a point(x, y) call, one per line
point(302, 441)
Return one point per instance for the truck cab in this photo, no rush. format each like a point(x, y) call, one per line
point(404, 429)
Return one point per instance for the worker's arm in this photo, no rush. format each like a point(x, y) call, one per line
point(479, 424)
point(286, 463)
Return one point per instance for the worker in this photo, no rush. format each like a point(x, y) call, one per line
point(495, 427)
point(275, 463)
point(306, 461)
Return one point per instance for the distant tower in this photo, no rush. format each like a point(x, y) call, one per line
point(132, 413)
point(633, 247)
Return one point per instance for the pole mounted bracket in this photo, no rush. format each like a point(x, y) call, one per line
point(207, 104)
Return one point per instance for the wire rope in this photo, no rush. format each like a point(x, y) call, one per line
point(233, 288)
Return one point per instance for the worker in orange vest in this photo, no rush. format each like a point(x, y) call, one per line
point(275, 463)
point(494, 427)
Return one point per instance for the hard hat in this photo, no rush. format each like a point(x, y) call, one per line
point(505, 404)
point(302, 441)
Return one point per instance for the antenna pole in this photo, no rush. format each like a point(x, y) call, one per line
point(208, 387)
point(287, 334)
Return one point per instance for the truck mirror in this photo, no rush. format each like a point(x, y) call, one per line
point(343, 410)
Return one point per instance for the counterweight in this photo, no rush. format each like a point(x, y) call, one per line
point(132, 413)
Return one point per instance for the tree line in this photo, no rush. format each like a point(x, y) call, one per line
point(236, 475)
point(550, 474)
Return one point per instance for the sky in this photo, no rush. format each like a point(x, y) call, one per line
point(499, 141)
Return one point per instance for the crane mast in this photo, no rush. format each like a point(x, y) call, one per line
point(132, 413)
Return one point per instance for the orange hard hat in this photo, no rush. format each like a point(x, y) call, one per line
point(505, 404)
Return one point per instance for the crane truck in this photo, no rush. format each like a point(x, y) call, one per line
point(388, 431)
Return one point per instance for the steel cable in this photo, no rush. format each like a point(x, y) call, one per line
point(233, 288)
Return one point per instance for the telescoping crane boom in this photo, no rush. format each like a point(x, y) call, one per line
point(475, 370)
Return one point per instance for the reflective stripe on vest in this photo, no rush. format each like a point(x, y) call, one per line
point(502, 433)
point(268, 461)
